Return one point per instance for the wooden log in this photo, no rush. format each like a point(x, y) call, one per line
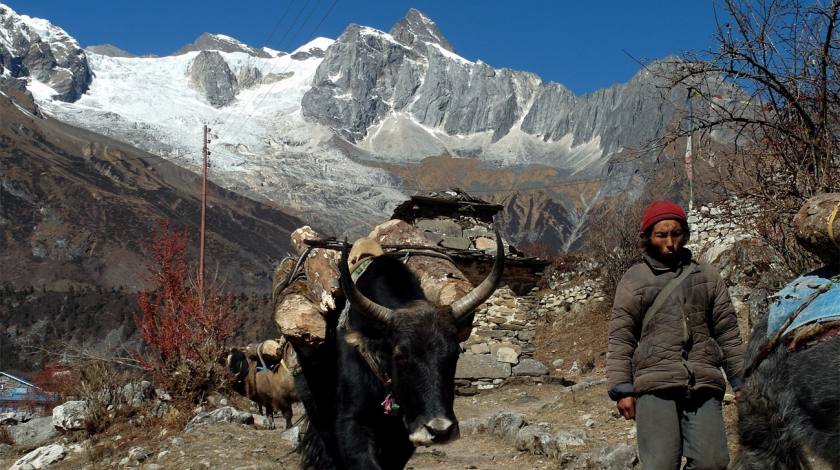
point(270, 349)
point(818, 227)
point(442, 282)
point(279, 284)
point(322, 279)
point(300, 321)
point(300, 235)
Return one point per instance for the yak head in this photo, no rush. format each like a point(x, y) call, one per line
point(237, 364)
point(421, 348)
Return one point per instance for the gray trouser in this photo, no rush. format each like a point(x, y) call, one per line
point(671, 427)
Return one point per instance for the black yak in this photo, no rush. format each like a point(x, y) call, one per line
point(388, 383)
point(790, 402)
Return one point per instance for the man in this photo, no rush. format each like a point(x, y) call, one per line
point(665, 371)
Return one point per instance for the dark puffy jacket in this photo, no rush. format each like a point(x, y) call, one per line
point(694, 334)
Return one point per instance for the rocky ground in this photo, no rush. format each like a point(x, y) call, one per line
point(511, 427)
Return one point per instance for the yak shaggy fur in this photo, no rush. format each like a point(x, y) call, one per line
point(419, 350)
point(789, 404)
point(269, 389)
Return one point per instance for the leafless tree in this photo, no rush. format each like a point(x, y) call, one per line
point(613, 241)
point(767, 98)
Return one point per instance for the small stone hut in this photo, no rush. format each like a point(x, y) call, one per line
point(462, 225)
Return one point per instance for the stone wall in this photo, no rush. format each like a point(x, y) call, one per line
point(501, 345)
point(717, 227)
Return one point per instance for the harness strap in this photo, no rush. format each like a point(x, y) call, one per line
point(831, 225)
point(259, 355)
point(355, 339)
point(662, 296)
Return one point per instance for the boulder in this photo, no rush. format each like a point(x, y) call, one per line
point(261, 422)
point(40, 458)
point(534, 438)
point(570, 438)
point(481, 366)
point(616, 457)
point(226, 414)
point(138, 454)
point(292, 435)
point(33, 433)
point(15, 417)
point(70, 416)
point(136, 393)
point(530, 368)
point(506, 424)
point(473, 426)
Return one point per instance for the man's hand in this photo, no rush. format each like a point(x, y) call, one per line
point(738, 395)
point(627, 407)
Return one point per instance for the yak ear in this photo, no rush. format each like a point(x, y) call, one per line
point(465, 326)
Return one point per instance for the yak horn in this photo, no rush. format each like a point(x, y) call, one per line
point(358, 300)
point(462, 307)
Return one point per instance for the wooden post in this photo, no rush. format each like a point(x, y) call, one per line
point(203, 213)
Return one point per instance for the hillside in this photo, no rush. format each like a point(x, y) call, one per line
point(77, 209)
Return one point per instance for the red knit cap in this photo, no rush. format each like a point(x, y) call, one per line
point(658, 211)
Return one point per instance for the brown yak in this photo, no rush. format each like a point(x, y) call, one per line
point(272, 388)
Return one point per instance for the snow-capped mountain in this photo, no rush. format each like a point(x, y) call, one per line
point(315, 130)
point(32, 47)
point(262, 146)
point(223, 43)
point(406, 95)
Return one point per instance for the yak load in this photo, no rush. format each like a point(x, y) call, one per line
point(790, 399)
point(261, 372)
point(375, 328)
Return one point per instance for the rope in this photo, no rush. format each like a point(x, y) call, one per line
point(259, 355)
point(293, 274)
point(358, 342)
point(831, 225)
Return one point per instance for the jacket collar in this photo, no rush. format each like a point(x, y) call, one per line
point(659, 267)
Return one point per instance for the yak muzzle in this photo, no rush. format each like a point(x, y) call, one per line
point(435, 431)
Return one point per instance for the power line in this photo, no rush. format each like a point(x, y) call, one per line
point(219, 122)
point(265, 43)
point(267, 92)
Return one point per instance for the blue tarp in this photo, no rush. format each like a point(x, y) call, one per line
point(826, 307)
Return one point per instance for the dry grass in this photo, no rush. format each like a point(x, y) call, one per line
point(578, 335)
point(5, 436)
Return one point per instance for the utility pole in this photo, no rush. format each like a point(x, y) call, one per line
point(205, 154)
point(689, 158)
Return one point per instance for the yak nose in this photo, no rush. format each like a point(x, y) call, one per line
point(440, 427)
point(436, 431)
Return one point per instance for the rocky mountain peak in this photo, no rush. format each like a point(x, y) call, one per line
point(417, 27)
point(223, 43)
point(210, 74)
point(37, 49)
point(109, 50)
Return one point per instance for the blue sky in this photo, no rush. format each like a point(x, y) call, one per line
point(580, 44)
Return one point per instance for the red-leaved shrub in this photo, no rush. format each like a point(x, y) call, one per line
point(184, 329)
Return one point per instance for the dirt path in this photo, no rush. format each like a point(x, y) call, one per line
point(240, 447)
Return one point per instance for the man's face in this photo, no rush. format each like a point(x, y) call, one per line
point(667, 238)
